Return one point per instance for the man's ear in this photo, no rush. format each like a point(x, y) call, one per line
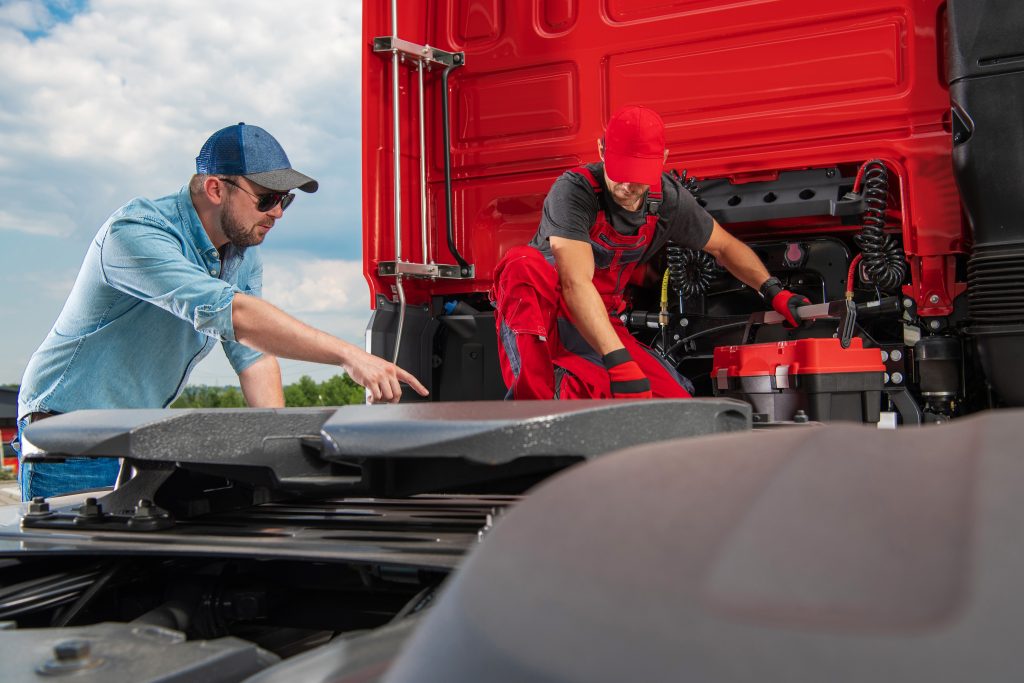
point(213, 188)
point(600, 148)
point(665, 160)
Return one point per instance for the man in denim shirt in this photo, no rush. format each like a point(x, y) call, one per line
point(162, 281)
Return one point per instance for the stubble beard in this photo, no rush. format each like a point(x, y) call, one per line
point(237, 232)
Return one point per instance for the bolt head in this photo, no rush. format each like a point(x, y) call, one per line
point(69, 650)
point(935, 324)
point(908, 303)
point(933, 299)
point(896, 355)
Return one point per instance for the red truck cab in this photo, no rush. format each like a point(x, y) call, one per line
point(864, 139)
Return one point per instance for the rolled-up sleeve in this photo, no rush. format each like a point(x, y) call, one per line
point(148, 262)
point(250, 282)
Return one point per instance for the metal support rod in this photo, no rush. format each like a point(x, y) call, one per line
point(423, 172)
point(401, 318)
point(448, 167)
point(396, 157)
point(397, 180)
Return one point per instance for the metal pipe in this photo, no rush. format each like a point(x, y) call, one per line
point(397, 159)
point(423, 172)
point(448, 168)
point(401, 317)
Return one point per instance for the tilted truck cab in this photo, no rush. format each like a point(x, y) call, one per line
point(868, 148)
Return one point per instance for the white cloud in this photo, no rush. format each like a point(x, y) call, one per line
point(124, 94)
point(300, 285)
point(25, 15)
point(112, 99)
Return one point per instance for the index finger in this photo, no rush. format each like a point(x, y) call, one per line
point(409, 379)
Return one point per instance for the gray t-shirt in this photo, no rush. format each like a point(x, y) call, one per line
point(571, 207)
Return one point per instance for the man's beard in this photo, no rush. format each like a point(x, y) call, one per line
point(237, 232)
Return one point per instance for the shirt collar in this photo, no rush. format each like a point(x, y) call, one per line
point(193, 226)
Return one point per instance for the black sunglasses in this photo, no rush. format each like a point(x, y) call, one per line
point(265, 202)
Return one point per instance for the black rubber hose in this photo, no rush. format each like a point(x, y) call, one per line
point(446, 130)
point(883, 259)
point(689, 270)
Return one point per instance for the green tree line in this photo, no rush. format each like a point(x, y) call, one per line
point(339, 390)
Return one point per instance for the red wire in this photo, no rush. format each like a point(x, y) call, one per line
point(851, 271)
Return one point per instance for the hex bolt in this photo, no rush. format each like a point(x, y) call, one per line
point(70, 650)
point(144, 508)
point(91, 510)
point(38, 506)
point(933, 299)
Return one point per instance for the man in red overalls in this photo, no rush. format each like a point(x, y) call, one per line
point(558, 297)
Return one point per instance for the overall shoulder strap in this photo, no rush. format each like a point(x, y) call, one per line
point(653, 202)
point(586, 173)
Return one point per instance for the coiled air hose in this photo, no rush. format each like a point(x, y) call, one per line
point(885, 264)
point(689, 270)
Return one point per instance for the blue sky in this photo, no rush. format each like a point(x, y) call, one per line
point(105, 100)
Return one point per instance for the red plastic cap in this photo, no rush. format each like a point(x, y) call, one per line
point(634, 146)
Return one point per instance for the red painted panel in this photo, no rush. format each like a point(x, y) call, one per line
point(624, 11)
point(777, 71)
point(558, 16)
point(746, 87)
point(477, 21)
point(535, 103)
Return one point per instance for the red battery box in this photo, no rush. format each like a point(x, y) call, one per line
point(817, 376)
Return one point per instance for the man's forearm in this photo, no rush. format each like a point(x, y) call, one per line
point(590, 316)
point(266, 328)
point(261, 383)
point(262, 326)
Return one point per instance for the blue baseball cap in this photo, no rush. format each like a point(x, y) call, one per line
point(253, 153)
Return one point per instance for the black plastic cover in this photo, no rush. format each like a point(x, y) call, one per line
point(416, 351)
point(985, 37)
point(989, 165)
point(838, 553)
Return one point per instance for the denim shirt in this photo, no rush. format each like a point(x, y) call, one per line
point(150, 300)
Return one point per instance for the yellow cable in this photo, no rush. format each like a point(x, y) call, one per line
point(663, 316)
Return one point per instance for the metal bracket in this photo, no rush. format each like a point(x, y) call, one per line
point(417, 53)
point(430, 271)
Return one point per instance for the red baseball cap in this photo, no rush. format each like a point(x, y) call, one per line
point(634, 146)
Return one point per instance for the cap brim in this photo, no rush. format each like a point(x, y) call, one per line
point(284, 180)
point(629, 169)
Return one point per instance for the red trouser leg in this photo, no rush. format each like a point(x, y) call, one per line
point(665, 381)
point(526, 294)
point(587, 378)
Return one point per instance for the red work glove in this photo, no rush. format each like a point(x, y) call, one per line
point(784, 301)
point(628, 380)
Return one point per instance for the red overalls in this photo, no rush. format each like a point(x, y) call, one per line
point(541, 352)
